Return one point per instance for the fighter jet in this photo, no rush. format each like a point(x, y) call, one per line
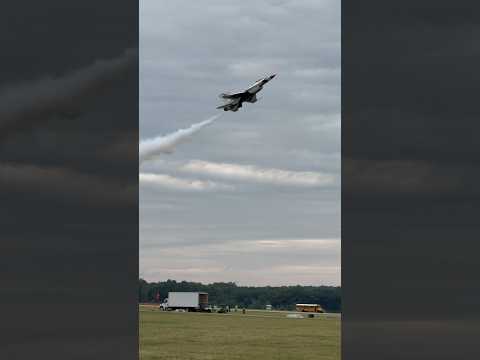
point(234, 101)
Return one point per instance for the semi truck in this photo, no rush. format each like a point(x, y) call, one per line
point(187, 301)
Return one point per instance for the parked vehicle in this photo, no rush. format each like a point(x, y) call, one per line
point(188, 301)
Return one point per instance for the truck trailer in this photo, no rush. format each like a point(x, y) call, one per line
point(187, 301)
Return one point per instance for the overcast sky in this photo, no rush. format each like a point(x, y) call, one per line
point(254, 197)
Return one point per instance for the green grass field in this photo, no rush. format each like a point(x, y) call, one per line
point(255, 335)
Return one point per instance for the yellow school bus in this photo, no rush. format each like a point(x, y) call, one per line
point(316, 308)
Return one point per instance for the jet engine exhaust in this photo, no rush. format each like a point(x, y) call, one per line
point(151, 148)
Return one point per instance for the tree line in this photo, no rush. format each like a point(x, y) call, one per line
point(250, 297)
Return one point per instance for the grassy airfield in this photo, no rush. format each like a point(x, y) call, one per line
point(257, 334)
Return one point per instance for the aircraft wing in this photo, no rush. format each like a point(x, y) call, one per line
point(233, 106)
point(231, 96)
point(229, 101)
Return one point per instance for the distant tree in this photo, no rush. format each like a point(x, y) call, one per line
point(280, 297)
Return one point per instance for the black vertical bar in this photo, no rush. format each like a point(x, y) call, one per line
point(410, 159)
point(69, 180)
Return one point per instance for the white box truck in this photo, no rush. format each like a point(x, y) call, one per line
point(188, 301)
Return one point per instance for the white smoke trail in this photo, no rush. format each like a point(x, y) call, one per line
point(151, 148)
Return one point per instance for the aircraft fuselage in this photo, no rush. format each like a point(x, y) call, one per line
point(235, 101)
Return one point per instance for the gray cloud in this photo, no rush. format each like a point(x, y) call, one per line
point(64, 185)
point(290, 139)
point(405, 177)
point(173, 183)
point(25, 105)
point(252, 173)
point(249, 261)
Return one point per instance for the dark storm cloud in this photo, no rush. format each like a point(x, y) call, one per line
point(419, 104)
point(60, 184)
point(33, 103)
point(41, 114)
point(408, 178)
point(61, 121)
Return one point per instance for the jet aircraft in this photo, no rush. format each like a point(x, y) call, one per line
point(234, 101)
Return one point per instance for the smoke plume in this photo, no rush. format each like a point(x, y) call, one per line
point(151, 148)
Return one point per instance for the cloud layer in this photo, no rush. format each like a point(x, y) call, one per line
point(249, 261)
point(173, 183)
point(251, 173)
point(280, 157)
point(32, 103)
